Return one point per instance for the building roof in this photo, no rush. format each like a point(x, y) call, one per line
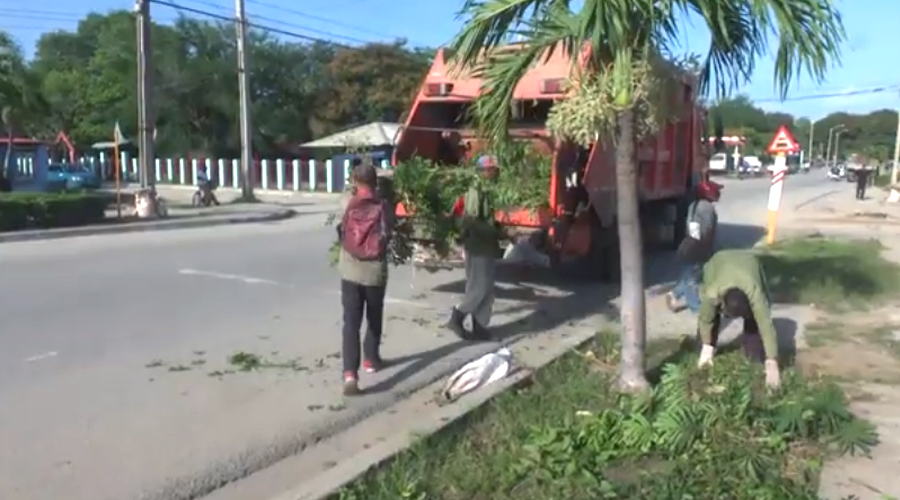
point(372, 135)
point(21, 140)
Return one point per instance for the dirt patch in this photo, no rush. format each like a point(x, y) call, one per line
point(855, 348)
point(851, 362)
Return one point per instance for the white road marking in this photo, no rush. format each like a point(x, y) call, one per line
point(250, 280)
point(39, 357)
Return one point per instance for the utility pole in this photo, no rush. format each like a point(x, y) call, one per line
point(247, 180)
point(894, 166)
point(146, 120)
point(812, 130)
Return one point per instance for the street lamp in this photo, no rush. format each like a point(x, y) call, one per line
point(812, 130)
point(837, 141)
point(839, 126)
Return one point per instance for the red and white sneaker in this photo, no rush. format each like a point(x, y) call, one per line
point(372, 365)
point(351, 384)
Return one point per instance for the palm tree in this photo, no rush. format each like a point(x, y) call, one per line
point(616, 92)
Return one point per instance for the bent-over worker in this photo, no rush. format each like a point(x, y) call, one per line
point(734, 286)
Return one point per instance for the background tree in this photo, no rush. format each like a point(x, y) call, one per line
point(298, 90)
point(19, 97)
point(617, 94)
point(871, 134)
point(374, 83)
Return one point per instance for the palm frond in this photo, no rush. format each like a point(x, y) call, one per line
point(808, 35)
point(492, 23)
point(501, 70)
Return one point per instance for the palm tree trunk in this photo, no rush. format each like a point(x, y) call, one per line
point(633, 314)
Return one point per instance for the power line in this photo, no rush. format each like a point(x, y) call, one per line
point(283, 23)
point(320, 19)
point(278, 31)
point(832, 95)
point(45, 15)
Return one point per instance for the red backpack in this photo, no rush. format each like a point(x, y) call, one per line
point(365, 228)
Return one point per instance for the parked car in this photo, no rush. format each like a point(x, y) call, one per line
point(718, 163)
point(72, 176)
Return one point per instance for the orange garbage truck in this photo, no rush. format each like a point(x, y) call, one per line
point(579, 218)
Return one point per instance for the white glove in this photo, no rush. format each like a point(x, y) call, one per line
point(773, 374)
point(706, 355)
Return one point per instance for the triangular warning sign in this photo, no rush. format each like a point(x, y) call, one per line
point(783, 142)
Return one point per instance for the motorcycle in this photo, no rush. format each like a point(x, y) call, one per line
point(834, 174)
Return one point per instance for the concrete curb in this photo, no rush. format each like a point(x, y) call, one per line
point(357, 462)
point(138, 227)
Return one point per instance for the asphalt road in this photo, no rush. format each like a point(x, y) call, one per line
point(114, 372)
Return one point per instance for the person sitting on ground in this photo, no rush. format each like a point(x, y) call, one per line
point(734, 286)
point(364, 234)
point(480, 237)
point(697, 246)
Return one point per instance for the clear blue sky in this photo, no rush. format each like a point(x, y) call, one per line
point(868, 61)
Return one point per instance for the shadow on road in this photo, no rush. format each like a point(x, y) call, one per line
point(573, 299)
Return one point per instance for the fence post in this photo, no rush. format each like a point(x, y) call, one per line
point(313, 183)
point(264, 174)
point(295, 166)
point(279, 174)
point(329, 177)
point(194, 172)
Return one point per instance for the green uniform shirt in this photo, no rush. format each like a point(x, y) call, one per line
point(737, 269)
point(478, 227)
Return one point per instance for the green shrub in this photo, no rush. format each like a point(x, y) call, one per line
point(830, 272)
point(20, 211)
point(883, 180)
point(700, 433)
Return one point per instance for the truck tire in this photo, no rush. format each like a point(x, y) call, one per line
point(603, 259)
point(680, 229)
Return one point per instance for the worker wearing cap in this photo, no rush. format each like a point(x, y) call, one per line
point(697, 246)
point(480, 237)
point(734, 286)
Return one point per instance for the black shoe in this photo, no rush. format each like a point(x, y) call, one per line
point(480, 333)
point(456, 325)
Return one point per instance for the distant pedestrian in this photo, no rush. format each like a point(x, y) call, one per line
point(364, 233)
point(697, 246)
point(480, 236)
point(862, 182)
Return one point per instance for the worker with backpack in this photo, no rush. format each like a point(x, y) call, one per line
point(364, 232)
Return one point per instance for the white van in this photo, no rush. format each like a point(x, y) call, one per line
point(718, 163)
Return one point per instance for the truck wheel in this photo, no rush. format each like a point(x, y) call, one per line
point(680, 230)
point(603, 260)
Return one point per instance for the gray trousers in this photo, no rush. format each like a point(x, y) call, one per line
point(479, 297)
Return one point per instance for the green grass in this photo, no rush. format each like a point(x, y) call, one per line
point(835, 274)
point(700, 434)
